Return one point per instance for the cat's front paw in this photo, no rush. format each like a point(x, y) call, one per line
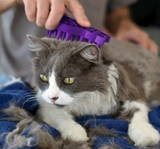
point(143, 134)
point(76, 133)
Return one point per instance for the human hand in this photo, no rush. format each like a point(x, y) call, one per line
point(48, 13)
point(131, 32)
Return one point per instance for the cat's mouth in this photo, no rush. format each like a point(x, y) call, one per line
point(59, 105)
point(61, 101)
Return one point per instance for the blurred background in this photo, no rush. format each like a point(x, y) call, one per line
point(146, 13)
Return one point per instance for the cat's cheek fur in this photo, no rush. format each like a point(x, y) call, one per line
point(63, 98)
point(54, 91)
point(45, 96)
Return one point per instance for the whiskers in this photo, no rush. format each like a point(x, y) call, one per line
point(25, 96)
point(28, 99)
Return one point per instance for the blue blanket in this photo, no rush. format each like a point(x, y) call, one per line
point(14, 93)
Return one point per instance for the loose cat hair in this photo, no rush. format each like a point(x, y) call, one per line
point(77, 78)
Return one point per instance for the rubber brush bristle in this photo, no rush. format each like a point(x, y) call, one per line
point(69, 29)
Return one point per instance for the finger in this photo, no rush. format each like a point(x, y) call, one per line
point(148, 44)
point(30, 9)
point(143, 43)
point(43, 7)
point(78, 12)
point(55, 15)
point(144, 40)
point(153, 47)
point(141, 38)
point(136, 37)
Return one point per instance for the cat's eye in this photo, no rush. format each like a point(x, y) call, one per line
point(43, 78)
point(69, 80)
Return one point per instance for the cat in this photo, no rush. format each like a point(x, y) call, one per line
point(78, 78)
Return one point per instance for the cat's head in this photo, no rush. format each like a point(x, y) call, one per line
point(64, 70)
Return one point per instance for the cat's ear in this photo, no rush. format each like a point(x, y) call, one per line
point(36, 44)
point(90, 53)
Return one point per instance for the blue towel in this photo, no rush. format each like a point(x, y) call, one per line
point(14, 93)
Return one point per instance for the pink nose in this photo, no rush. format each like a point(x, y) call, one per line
point(53, 99)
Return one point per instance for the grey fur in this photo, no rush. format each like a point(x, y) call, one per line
point(135, 64)
point(18, 141)
point(90, 66)
point(70, 63)
point(112, 145)
point(76, 66)
point(16, 113)
point(102, 131)
point(44, 140)
point(15, 134)
point(127, 115)
point(141, 65)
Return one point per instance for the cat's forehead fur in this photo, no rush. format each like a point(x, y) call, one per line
point(51, 50)
point(61, 51)
point(58, 46)
point(58, 52)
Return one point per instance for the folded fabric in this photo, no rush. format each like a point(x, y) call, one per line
point(19, 94)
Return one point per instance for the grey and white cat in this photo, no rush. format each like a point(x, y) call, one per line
point(78, 78)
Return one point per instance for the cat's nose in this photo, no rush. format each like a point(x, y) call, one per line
point(53, 99)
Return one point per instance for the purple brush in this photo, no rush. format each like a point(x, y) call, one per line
point(69, 29)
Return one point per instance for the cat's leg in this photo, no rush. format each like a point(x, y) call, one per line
point(63, 121)
point(140, 130)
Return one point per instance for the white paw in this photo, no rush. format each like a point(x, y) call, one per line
point(143, 134)
point(77, 133)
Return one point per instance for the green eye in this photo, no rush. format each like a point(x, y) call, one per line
point(43, 78)
point(69, 80)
